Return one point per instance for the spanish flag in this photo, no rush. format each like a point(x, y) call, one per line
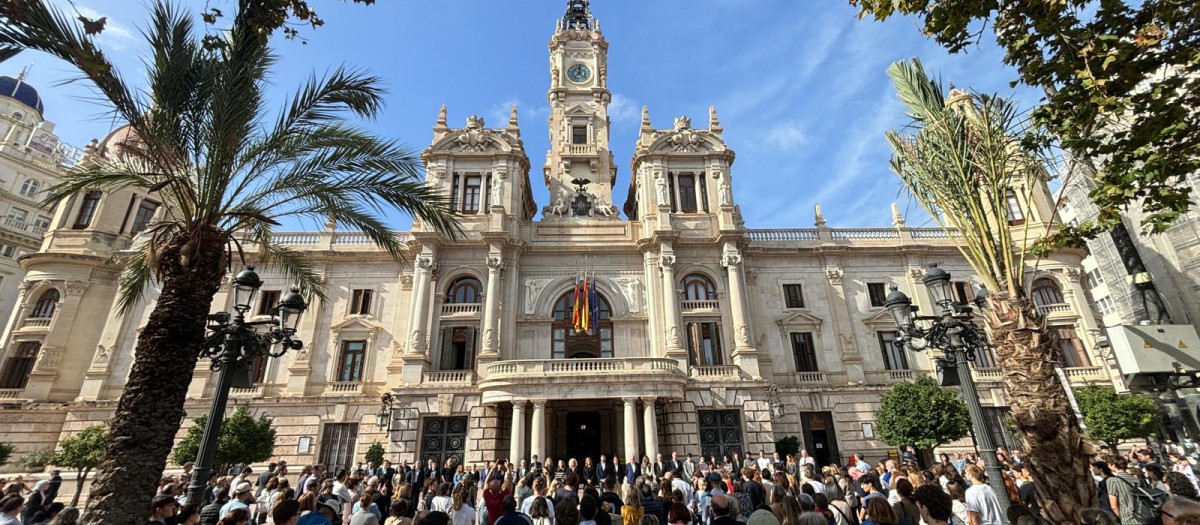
point(585, 314)
point(575, 309)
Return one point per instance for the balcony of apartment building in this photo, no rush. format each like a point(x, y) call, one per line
point(39, 317)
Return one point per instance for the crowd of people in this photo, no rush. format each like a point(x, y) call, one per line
point(687, 490)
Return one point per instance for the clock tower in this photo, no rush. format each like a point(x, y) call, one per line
point(579, 123)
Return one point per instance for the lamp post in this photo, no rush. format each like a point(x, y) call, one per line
point(383, 419)
point(232, 347)
point(959, 338)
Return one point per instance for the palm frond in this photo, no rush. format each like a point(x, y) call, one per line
point(136, 276)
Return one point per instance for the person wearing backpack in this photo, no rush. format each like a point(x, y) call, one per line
point(905, 509)
point(1123, 492)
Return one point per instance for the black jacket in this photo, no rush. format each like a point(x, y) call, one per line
point(211, 513)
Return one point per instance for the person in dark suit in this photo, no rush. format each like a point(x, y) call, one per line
point(632, 471)
point(603, 470)
point(675, 465)
point(659, 466)
point(589, 473)
point(446, 475)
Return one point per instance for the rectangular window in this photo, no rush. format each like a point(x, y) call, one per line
point(17, 214)
point(454, 187)
point(687, 193)
point(878, 293)
point(671, 183)
point(487, 194)
point(804, 352)
point(145, 212)
point(1071, 348)
point(1016, 216)
point(42, 222)
point(793, 295)
point(458, 348)
point(704, 344)
point(894, 356)
point(337, 445)
point(19, 364)
point(471, 194)
point(703, 192)
point(352, 360)
point(1095, 276)
point(267, 302)
point(360, 302)
point(260, 369)
point(87, 209)
point(579, 135)
point(962, 292)
point(7, 250)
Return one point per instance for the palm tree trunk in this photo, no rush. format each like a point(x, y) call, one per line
point(151, 407)
point(1058, 456)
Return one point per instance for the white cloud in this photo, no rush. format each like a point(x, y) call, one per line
point(786, 136)
point(622, 109)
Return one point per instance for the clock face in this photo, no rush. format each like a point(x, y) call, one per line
point(579, 73)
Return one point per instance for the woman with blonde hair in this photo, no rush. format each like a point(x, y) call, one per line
point(460, 511)
point(632, 511)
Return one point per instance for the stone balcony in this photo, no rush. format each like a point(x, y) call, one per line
point(448, 377)
point(462, 309)
point(36, 323)
point(582, 378)
point(699, 306)
point(23, 228)
point(1076, 375)
point(1056, 310)
point(715, 373)
point(11, 393)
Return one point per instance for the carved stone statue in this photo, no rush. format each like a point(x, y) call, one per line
point(724, 189)
point(630, 287)
point(533, 288)
point(743, 335)
point(683, 122)
point(660, 185)
point(554, 78)
point(603, 208)
point(559, 208)
point(498, 193)
point(603, 76)
point(672, 333)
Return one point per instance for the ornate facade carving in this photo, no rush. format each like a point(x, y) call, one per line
point(406, 282)
point(495, 264)
point(533, 288)
point(666, 261)
point(631, 289)
point(76, 287)
point(916, 274)
point(102, 356)
point(672, 335)
point(834, 275)
point(731, 260)
point(49, 359)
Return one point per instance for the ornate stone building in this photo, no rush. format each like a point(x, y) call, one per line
point(711, 337)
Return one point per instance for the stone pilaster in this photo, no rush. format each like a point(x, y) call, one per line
point(490, 351)
point(416, 357)
point(745, 355)
point(670, 300)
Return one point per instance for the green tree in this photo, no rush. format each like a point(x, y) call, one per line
point(921, 413)
point(37, 459)
point(787, 445)
point(959, 157)
point(6, 451)
point(242, 440)
point(1121, 88)
point(1111, 417)
point(374, 454)
point(228, 169)
point(82, 451)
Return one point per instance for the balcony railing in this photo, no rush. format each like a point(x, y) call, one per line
point(461, 308)
point(297, 238)
point(896, 376)
point(693, 306)
point(343, 387)
point(854, 234)
point(581, 149)
point(11, 393)
point(1047, 309)
point(36, 322)
point(797, 234)
point(448, 377)
point(1085, 374)
point(808, 378)
point(351, 238)
point(23, 227)
point(608, 366)
point(253, 391)
point(990, 374)
point(716, 372)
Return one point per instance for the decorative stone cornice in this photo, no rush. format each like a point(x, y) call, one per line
point(76, 287)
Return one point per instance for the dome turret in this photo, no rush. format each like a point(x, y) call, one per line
point(24, 93)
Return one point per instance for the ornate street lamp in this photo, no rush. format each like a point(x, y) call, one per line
point(955, 333)
point(387, 403)
point(233, 345)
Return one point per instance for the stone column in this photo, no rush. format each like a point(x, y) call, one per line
point(537, 441)
point(631, 440)
point(491, 303)
point(416, 356)
point(744, 353)
point(670, 302)
point(516, 449)
point(650, 421)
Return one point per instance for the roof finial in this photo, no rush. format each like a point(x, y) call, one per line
point(897, 219)
point(820, 217)
point(714, 123)
point(646, 118)
point(21, 75)
point(513, 126)
point(441, 118)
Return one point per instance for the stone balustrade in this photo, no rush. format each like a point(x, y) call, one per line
point(577, 367)
point(1049, 309)
point(343, 387)
point(1085, 374)
point(252, 391)
point(700, 306)
point(989, 374)
point(896, 376)
point(296, 238)
point(448, 377)
point(461, 308)
point(854, 234)
point(809, 378)
point(11, 393)
point(351, 238)
point(36, 322)
point(581, 149)
point(716, 372)
point(794, 234)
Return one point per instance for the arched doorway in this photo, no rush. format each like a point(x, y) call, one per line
point(566, 343)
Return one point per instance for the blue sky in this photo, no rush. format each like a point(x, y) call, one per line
point(800, 85)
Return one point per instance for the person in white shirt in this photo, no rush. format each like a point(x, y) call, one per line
point(982, 506)
point(763, 462)
point(678, 483)
point(539, 491)
point(806, 459)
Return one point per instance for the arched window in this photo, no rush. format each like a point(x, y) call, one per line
point(566, 343)
point(1046, 292)
point(30, 187)
point(697, 287)
point(45, 304)
point(464, 290)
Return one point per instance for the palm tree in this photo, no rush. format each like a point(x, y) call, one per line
point(958, 158)
point(228, 169)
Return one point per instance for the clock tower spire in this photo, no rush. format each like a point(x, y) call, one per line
point(579, 123)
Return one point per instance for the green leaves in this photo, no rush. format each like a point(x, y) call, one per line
point(374, 454)
point(242, 439)
point(84, 449)
point(6, 450)
point(1122, 82)
point(1111, 417)
point(921, 413)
